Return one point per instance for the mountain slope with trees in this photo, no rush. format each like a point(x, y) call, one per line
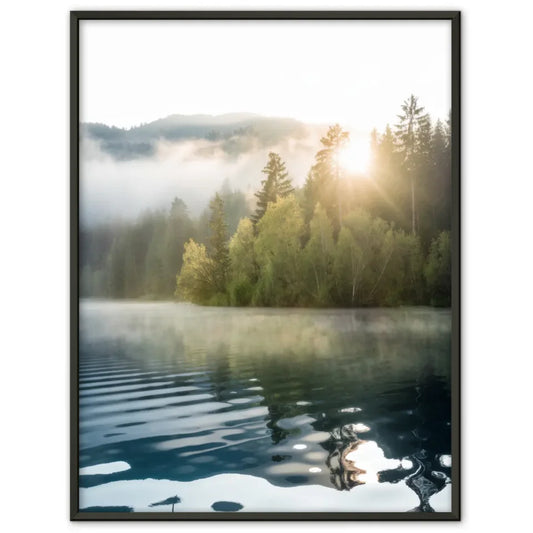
point(336, 241)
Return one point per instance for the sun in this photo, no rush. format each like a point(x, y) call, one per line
point(354, 158)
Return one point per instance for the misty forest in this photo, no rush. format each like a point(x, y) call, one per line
point(342, 239)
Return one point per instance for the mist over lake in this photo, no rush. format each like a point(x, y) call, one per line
point(212, 404)
point(125, 172)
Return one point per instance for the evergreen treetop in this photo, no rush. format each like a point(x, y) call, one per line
point(277, 184)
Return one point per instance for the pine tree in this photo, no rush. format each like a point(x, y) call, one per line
point(277, 184)
point(441, 184)
point(448, 129)
point(408, 144)
point(218, 241)
point(322, 185)
point(439, 143)
point(178, 229)
point(424, 143)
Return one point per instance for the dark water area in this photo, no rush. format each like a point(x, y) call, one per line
point(190, 408)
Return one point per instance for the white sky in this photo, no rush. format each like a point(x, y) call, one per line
point(356, 73)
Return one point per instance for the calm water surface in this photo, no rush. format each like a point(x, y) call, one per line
point(189, 408)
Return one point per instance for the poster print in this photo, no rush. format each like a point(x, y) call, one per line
point(265, 265)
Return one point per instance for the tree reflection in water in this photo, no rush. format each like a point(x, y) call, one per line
point(185, 393)
point(353, 461)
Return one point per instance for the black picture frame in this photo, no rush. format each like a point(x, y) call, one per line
point(455, 17)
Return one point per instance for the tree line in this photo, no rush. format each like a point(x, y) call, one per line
point(335, 241)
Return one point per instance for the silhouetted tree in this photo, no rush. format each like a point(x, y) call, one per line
point(408, 144)
point(322, 185)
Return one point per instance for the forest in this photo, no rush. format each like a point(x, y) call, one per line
point(339, 240)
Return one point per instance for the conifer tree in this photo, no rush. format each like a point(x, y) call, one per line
point(439, 188)
point(408, 142)
point(277, 184)
point(322, 185)
point(218, 241)
point(439, 143)
point(448, 129)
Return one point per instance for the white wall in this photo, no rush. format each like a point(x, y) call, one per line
point(497, 266)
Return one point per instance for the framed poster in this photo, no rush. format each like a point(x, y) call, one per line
point(265, 265)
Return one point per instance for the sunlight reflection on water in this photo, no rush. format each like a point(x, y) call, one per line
point(265, 399)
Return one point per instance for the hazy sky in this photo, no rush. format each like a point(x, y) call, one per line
point(356, 73)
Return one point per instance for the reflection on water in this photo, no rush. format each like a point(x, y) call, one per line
point(355, 462)
point(347, 409)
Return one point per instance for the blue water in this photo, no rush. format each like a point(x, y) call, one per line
point(192, 408)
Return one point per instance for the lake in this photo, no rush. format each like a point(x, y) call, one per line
point(186, 408)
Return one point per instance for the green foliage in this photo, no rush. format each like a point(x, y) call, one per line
point(203, 276)
point(177, 231)
point(374, 264)
point(438, 270)
point(318, 258)
point(362, 254)
point(235, 207)
point(243, 264)
point(154, 282)
point(277, 184)
point(338, 241)
point(219, 299)
point(322, 185)
point(196, 282)
point(409, 131)
point(411, 170)
point(413, 134)
point(219, 251)
point(240, 291)
point(402, 281)
point(138, 259)
point(278, 253)
point(241, 251)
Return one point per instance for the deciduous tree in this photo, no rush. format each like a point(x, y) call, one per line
point(279, 253)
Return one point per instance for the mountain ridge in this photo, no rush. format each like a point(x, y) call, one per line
point(234, 131)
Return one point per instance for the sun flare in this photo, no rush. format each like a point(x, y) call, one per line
point(355, 158)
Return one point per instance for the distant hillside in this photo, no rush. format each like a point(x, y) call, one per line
point(235, 133)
